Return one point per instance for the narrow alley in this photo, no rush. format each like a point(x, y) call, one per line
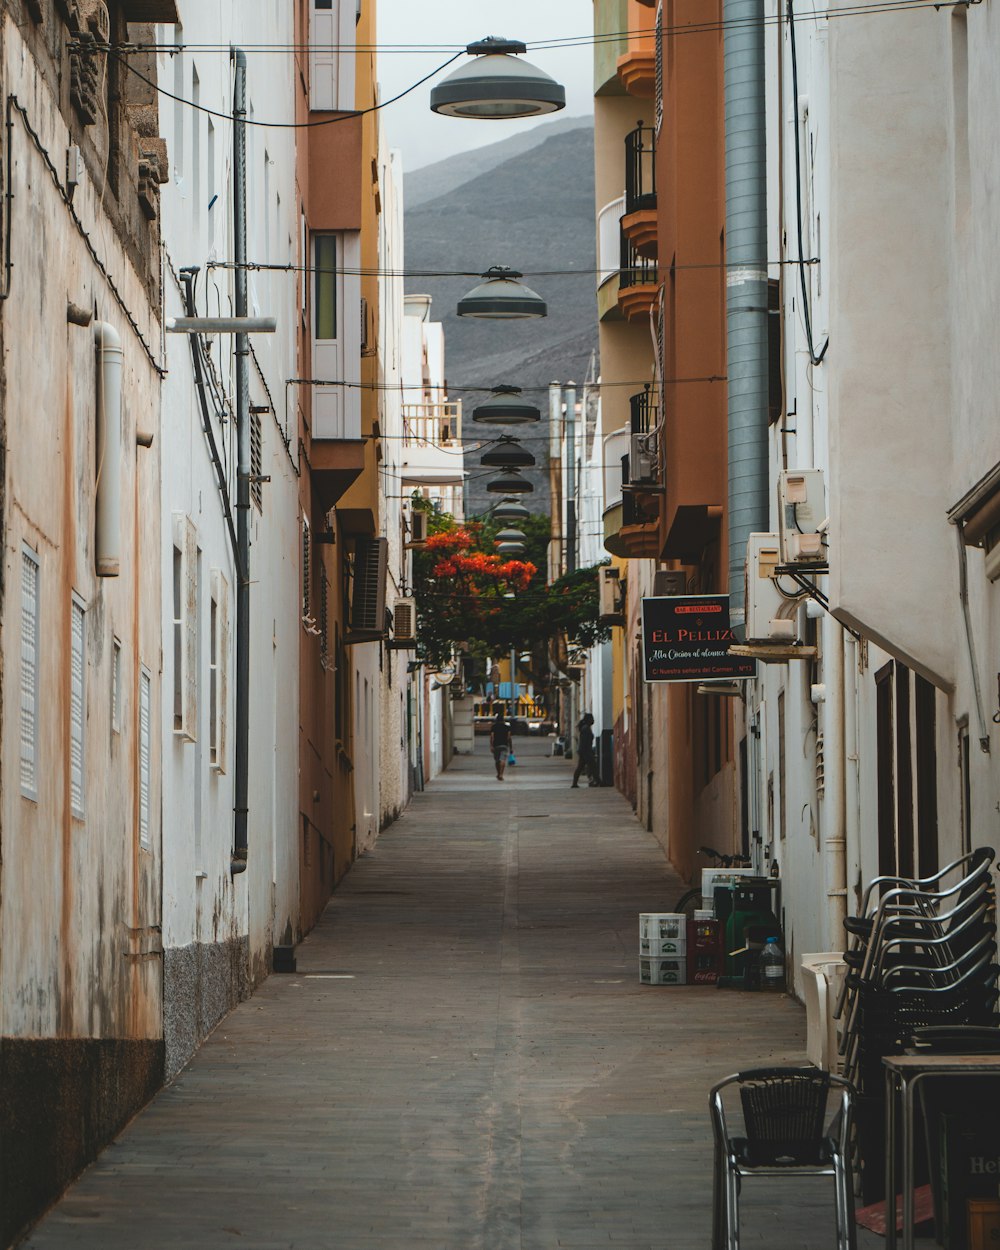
point(464, 1058)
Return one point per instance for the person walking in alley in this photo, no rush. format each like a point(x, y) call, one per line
point(585, 761)
point(500, 743)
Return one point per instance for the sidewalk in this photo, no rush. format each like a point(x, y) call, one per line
point(465, 1059)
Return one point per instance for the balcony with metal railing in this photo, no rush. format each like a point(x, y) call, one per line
point(641, 491)
point(432, 444)
point(639, 216)
point(638, 280)
point(609, 258)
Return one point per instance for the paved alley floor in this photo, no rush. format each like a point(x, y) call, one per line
point(465, 1059)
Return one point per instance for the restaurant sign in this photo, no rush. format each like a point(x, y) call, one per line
point(687, 637)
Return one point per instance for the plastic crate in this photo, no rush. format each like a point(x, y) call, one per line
point(662, 971)
point(663, 924)
point(663, 947)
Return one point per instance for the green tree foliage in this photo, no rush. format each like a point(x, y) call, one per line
point(464, 593)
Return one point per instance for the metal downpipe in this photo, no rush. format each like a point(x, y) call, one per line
point(241, 804)
point(746, 287)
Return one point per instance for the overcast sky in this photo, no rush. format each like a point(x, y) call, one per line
point(423, 136)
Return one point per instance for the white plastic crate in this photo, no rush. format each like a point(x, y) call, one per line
point(710, 877)
point(662, 924)
point(662, 971)
point(663, 947)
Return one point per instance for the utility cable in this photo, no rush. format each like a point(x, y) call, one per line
point(814, 358)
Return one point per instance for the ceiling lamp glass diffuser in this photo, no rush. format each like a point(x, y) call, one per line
point(500, 297)
point(510, 549)
point(511, 510)
point(510, 535)
point(506, 406)
point(496, 85)
point(507, 454)
point(510, 482)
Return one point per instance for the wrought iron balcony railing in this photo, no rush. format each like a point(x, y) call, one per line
point(636, 270)
point(640, 169)
point(645, 411)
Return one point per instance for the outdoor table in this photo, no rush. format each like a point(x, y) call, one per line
point(903, 1073)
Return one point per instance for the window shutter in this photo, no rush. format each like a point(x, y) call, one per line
point(145, 698)
point(186, 628)
point(368, 598)
point(29, 673)
point(78, 638)
point(306, 569)
point(256, 461)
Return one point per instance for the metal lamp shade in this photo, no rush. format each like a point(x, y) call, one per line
point(507, 454)
point(497, 85)
point(506, 406)
point(510, 536)
point(510, 549)
point(509, 483)
point(511, 510)
point(500, 297)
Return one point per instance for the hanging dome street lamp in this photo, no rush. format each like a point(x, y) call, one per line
point(506, 407)
point(511, 510)
point(510, 549)
point(500, 297)
point(509, 482)
point(510, 535)
point(507, 453)
point(495, 85)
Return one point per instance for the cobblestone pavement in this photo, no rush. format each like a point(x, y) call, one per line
point(465, 1059)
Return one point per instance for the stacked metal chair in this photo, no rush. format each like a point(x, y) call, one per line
point(921, 953)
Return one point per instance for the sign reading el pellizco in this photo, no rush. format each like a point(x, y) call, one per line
point(687, 638)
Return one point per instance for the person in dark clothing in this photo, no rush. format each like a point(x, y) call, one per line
point(500, 743)
point(586, 761)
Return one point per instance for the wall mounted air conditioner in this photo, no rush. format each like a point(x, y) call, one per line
point(418, 529)
point(404, 621)
point(610, 596)
point(802, 516)
point(641, 462)
point(770, 615)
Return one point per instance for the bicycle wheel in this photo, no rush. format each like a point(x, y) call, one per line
point(689, 902)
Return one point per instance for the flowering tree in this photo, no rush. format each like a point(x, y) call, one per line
point(477, 600)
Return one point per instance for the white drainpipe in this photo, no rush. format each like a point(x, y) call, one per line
point(835, 826)
point(109, 449)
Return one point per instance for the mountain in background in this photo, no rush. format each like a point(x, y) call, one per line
point(432, 181)
point(533, 211)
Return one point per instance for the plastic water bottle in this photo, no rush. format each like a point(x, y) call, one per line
point(772, 966)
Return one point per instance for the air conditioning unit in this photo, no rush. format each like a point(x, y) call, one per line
point(610, 596)
point(367, 620)
point(802, 516)
point(418, 529)
point(641, 462)
point(404, 621)
point(770, 615)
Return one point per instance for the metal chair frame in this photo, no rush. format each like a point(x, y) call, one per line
point(729, 1170)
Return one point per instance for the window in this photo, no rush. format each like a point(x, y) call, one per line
point(145, 721)
point(77, 705)
point(116, 686)
point(332, 41)
point(29, 672)
point(325, 294)
point(218, 669)
point(185, 627)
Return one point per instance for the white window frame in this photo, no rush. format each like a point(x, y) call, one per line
point(218, 665)
point(185, 627)
point(77, 744)
point(31, 576)
point(332, 47)
point(336, 410)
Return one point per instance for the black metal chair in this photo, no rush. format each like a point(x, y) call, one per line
point(787, 1131)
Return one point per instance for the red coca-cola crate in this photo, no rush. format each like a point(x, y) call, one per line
point(706, 952)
